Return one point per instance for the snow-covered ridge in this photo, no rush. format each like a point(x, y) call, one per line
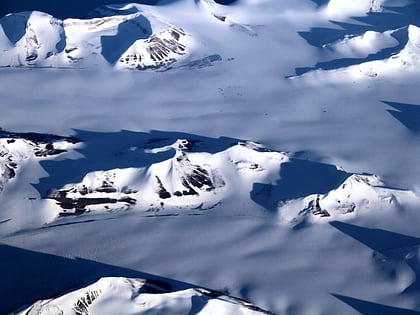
point(16, 148)
point(369, 48)
point(366, 39)
point(140, 296)
point(358, 193)
point(123, 37)
point(191, 179)
point(361, 46)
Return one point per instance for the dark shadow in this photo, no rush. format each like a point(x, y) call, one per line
point(198, 303)
point(394, 18)
point(123, 149)
point(14, 26)
point(128, 32)
point(63, 9)
point(321, 3)
point(407, 114)
point(28, 276)
point(298, 178)
point(225, 2)
point(61, 45)
point(377, 239)
point(116, 9)
point(369, 308)
point(36, 137)
point(401, 36)
point(393, 248)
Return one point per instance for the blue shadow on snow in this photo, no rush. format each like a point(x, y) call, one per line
point(128, 32)
point(123, 149)
point(370, 308)
point(298, 178)
point(407, 114)
point(14, 26)
point(394, 18)
point(390, 250)
point(64, 9)
point(28, 276)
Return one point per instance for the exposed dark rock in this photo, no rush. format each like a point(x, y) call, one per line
point(31, 57)
point(83, 190)
point(37, 138)
point(162, 192)
point(48, 150)
point(220, 17)
point(158, 49)
point(79, 204)
point(128, 191)
point(189, 192)
point(69, 50)
point(82, 304)
point(106, 188)
point(318, 210)
point(199, 178)
point(128, 200)
point(352, 208)
point(11, 173)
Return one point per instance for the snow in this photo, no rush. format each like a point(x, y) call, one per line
point(336, 8)
point(137, 296)
point(293, 124)
point(363, 45)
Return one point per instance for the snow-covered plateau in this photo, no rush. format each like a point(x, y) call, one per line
point(210, 157)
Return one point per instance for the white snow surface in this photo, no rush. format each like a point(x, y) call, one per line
point(255, 156)
point(124, 296)
point(120, 36)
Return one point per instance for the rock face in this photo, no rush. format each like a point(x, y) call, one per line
point(122, 36)
point(159, 50)
point(140, 296)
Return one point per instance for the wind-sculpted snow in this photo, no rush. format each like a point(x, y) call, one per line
point(140, 296)
point(120, 36)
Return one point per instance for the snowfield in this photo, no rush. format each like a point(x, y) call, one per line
point(210, 157)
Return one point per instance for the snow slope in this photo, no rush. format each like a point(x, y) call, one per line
point(138, 296)
point(124, 176)
point(122, 36)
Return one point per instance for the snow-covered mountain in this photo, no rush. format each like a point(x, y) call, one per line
point(263, 154)
point(187, 181)
point(122, 36)
point(140, 296)
point(191, 181)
